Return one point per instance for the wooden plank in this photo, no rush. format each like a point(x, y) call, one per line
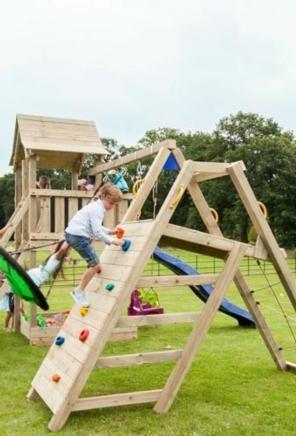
point(72, 207)
point(68, 193)
point(138, 359)
point(112, 257)
point(263, 230)
point(151, 177)
point(123, 334)
point(200, 330)
point(208, 240)
point(45, 215)
point(290, 366)
point(117, 400)
point(159, 319)
point(203, 176)
point(122, 208)
point(46, 237)
point(215, 167)
point(171, 281)
point(132, 157)
point(59, 215)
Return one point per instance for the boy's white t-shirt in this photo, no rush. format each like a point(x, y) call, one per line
point(42, 273)
point(88, 221)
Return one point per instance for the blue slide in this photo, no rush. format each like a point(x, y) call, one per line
point(203, 291)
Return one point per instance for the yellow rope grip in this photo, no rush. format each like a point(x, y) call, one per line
point(263, 209)
point(136, 186)
point(215, 214)
point(178, 197)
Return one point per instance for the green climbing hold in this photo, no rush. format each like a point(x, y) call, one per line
point(109, 286)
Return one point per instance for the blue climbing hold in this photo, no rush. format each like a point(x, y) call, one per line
point(59, 340)
point(126, 245)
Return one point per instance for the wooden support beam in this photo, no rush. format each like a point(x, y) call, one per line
point(116, 400)
point(201, 239)
point(263, 230)
point(219, 168)
point(25, 191)
point(290, 366)
point(46, 236)
point(155, 169)
point(159, 319)
point(203, 176)
point(32, 175)
point(170, 144)
point(198, 334)
point(138, 359)
point(171, 281)
point(19, 213)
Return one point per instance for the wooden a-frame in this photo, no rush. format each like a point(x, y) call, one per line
point(74, 360)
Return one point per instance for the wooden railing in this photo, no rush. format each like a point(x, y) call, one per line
point(55, 208)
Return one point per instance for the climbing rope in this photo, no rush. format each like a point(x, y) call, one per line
point(155, 198)
point(23, 250)
point(271, 287)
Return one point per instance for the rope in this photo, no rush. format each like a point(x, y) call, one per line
point(265, 287)
point(155, 198)
point(23, 250)
point(277, 300)
point(49, 290)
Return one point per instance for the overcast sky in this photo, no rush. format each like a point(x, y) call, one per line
point(134, 65)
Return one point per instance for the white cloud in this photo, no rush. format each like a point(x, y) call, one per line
point(135, 65)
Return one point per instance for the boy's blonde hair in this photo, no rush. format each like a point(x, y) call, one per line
point(110, 191)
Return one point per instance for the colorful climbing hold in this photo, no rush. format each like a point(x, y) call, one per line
point(83, 335)
point(59, 340)
point(126, 245)
point(56, 378)
point(119, 232)
point(109, 286)
point(83, 311)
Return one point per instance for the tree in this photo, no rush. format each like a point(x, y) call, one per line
point(7, 198)
point(269, 155)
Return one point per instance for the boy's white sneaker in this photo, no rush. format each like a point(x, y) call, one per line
point(79, 298)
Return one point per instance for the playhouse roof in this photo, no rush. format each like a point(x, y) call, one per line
point(57, 142)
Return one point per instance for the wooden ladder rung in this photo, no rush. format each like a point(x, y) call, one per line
point(117, 400)
point(138, 358)
point(159, 319)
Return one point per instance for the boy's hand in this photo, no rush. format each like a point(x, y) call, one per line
point(118, 242)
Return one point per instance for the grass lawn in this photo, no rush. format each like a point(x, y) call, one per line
point(233, 387)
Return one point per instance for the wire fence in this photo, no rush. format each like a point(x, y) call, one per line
point(73, 270)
